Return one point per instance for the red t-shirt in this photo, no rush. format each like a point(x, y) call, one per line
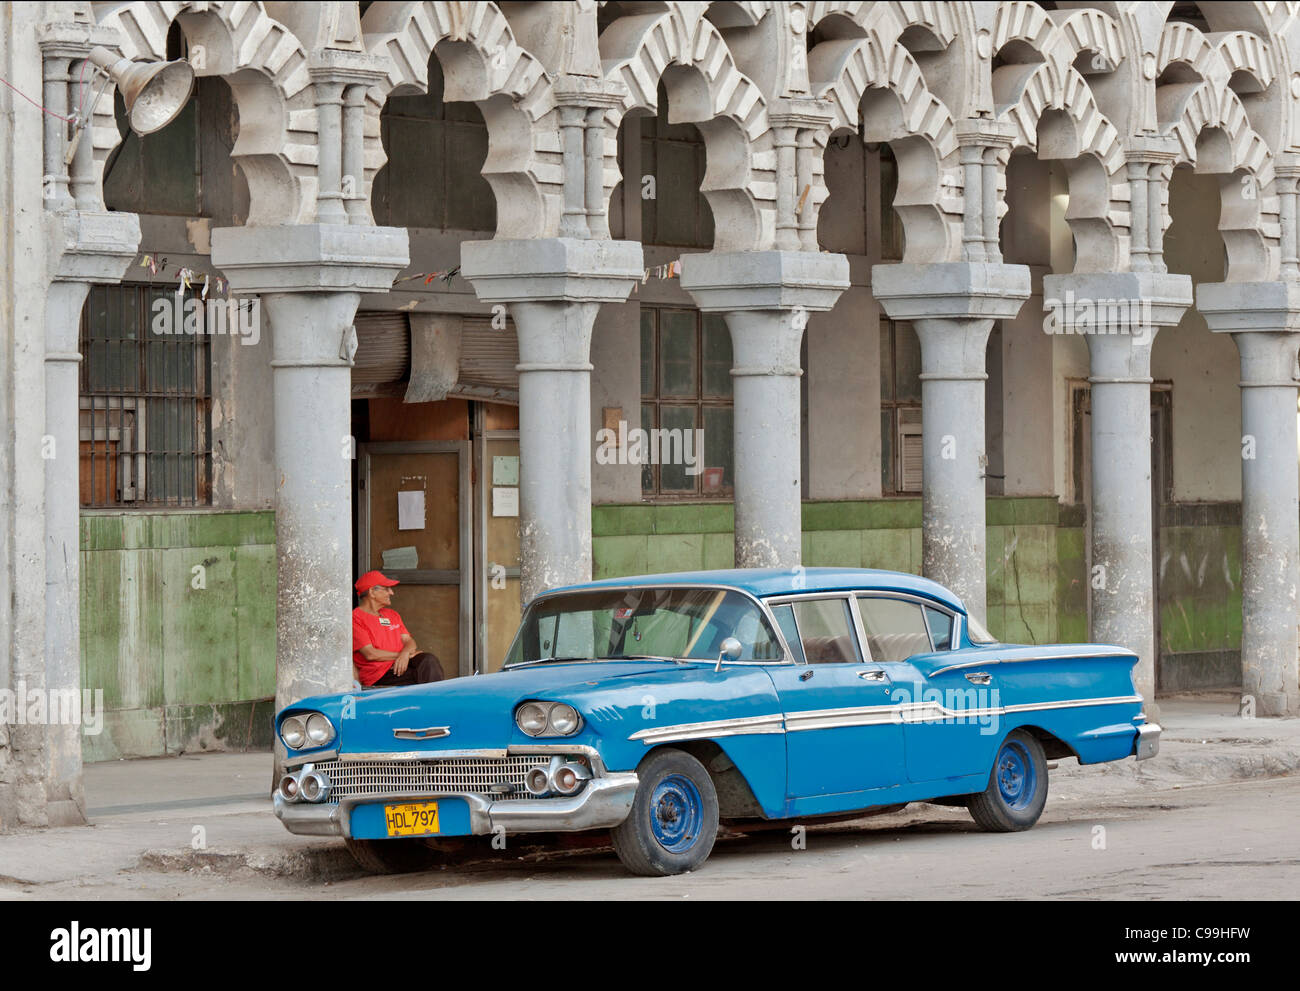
point(383, 632)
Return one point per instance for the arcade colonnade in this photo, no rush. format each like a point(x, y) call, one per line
point(1121, 93)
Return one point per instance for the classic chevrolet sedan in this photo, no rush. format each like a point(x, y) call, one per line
point(658, 707)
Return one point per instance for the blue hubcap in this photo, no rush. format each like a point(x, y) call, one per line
point(1017, 779)
point(676, 813)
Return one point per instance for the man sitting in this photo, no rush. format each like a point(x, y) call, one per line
point(383, 652)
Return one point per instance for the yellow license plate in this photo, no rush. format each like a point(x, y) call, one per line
point(415, 819)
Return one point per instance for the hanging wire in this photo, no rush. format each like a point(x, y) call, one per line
point(66, 120)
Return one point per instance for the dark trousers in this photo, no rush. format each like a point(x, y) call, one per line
point(420, 670)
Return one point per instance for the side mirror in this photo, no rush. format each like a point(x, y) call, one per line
point(730, 651)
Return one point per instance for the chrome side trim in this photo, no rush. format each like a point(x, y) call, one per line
point(1072, 703)
point(1096, 652)
point(743, 726)
point(871, 715)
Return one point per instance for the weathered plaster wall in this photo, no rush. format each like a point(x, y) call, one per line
point(182, 667)
point(1204, 367)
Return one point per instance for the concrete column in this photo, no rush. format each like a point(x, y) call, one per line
point(310, 279)
point(55, 93)
point(1121, 313)
point(102, 246)
point(594, 164)
point(329, 151)
point(1264, 321)
point(354, 152)
point(953, 306)
point(553, 288)
point(573, 221)
point(787, 228)
point(765, 297)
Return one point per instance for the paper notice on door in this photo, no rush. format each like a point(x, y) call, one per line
point(401, 559)
point(505, 501)
point(410, 510)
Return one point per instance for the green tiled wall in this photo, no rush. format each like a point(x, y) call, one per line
point(1036, 561)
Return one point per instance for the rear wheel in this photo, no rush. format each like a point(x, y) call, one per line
point(1017, 789)
point(392, 856)
point(674, 819)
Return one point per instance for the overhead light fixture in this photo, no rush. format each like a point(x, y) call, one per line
point(153, 92)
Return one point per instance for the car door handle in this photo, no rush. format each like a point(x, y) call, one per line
point(979, 678)
point(876, 675)
point(806, 675)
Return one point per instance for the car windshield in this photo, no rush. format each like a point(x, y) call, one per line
point(633, 622)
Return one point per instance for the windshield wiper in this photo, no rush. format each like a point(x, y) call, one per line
point(549, 660)
point(643, 657)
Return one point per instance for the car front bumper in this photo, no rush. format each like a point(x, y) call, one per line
point(1147, 743)
point(603, 803)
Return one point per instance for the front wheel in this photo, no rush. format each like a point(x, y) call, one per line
point(1017, 788)
point(674, 817)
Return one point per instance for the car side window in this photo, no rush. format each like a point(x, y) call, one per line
point(784, 615)
point(826, 631)
point(940, 624)
point(895, 628)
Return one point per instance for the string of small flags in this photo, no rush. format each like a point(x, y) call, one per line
point(428, 277)
point(186, 278)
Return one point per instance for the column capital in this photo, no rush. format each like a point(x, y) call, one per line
point(1164, 297)
point(950, 290)
point(91, 247)
point(985, 132)
point(75, 39)
point(588, 91)
point(765, 280)
point(1151, 149)
point(1237, 307)
point(310, 257)
point(337, 65)
point(1264, 321)
point(800, 112)
point(555, 269)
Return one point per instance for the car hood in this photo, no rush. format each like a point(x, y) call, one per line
point(478, 712)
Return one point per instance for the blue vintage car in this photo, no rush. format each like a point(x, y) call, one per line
point(656, 707)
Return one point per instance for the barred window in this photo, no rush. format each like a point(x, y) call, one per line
point(145, 421)
point(686, 387)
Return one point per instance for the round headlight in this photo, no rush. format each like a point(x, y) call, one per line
point(319, 729)
point(293, 731)
point(563, 719)
point(531, 718)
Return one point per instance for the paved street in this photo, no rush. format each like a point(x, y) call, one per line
point(1216, 842)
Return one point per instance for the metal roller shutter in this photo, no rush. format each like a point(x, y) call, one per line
point(383, 349)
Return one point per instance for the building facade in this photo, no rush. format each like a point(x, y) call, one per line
point(498, 296)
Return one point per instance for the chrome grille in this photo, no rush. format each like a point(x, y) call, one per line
point(476, 775)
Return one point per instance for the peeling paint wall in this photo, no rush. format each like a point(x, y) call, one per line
point(178, 630)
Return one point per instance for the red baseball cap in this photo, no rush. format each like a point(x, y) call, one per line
point(372, 578)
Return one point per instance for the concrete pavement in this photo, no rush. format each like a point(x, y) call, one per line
point(211, 812)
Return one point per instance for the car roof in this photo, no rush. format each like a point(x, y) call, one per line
point(763, 582)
